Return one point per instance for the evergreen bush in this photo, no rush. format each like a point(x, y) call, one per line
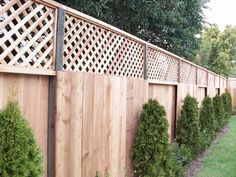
point(151, 152)
point(218, 112)
point(187, 132)
point(206, 119)
point(230, 106)
point(205, 139)
point(19, 154)
point(181, 154)
point(225, 101)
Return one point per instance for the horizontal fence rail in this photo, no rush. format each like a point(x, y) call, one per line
point(30, 38)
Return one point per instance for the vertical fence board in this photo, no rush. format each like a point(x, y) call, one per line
point(88, 121)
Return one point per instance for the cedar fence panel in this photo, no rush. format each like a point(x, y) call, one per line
point(81, 83)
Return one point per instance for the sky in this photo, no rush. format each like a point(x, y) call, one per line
point(221, 12)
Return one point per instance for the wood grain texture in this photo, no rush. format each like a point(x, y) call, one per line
point(166, 95)
point(105, 109)
point(32, 95)
point(98, 116)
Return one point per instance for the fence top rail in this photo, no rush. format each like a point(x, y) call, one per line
point(55, 5)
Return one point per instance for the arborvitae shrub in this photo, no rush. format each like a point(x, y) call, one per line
point(181, 154)
point(151, 152)
point(225, 101)
point(218, 112)
point(19, 154)
point(230, 106)
point(206, 119)
point(187, 132)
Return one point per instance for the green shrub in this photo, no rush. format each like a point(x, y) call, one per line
point(218, 112)
point(151, 152)
point(205, 139)
point(19, 154)
point(225, 101)
point(187, 132)
point(206, 119)
point(177, 165)
point(230, 105)
point(181, 154)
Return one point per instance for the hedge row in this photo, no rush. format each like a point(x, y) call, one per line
point(196, 132)
point(154, 156)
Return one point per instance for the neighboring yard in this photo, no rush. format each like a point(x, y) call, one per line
point(221, 160)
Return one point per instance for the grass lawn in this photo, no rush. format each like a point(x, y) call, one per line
point(221, 160)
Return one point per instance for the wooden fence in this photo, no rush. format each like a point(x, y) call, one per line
point(231, 87)
point(81, 83)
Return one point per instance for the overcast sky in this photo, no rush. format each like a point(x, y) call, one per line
point(221, 12)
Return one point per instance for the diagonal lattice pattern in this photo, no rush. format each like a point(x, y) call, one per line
point(26, 34)
point(211, 79)
point(94, 49)
point(217, 81)
point(161, 66)
point(187, 73)
point(202, 76)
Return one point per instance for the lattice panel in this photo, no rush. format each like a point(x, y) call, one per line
point(187, 73)
point(90, 48)
point(202, 77)
point(26, 34)
point(217, 81)
point(162, 67)
point(211, 79)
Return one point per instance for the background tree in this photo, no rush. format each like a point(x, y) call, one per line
point(170, 24)
point(217, 50)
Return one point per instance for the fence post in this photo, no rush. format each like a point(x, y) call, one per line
point(60, 38)
point(51, 165)
point(207, 84)
point(179, 65)
point(196, 75)
point(145, 62)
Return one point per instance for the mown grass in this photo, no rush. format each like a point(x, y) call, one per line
point(221, 161)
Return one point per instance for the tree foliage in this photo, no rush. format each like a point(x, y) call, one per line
point(151, 152)
point(217, 50)
point(170, 24)
point(19, 154)
point(187, 132)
